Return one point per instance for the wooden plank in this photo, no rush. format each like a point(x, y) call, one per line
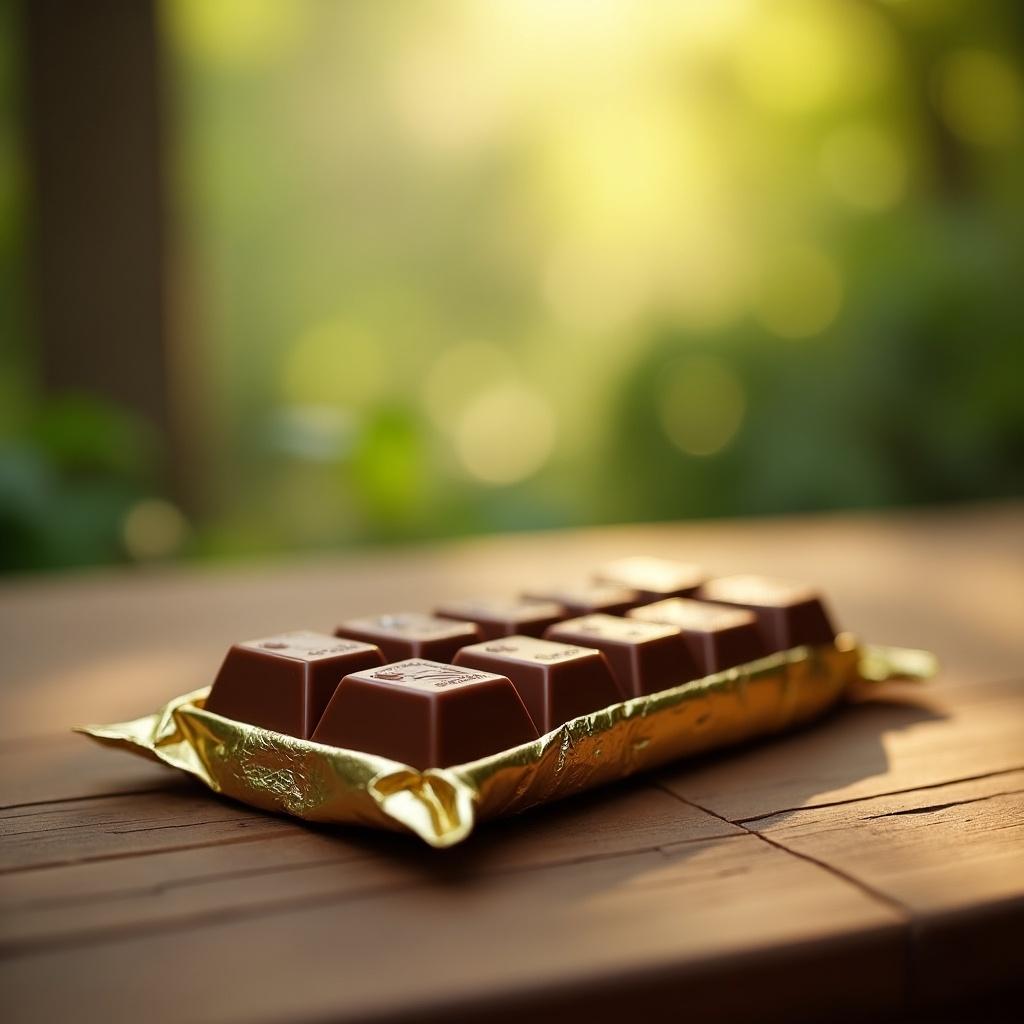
point(185, 887)
point(622, 899)
point(662, 922)
point(123, 826)
point(898, 738)
point(72, 767)
point(952, 855)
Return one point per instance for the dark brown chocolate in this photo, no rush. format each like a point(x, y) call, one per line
point(718, 637)
point(497, 618)
point(425, 714)
point(584, 598)
point(411, 635)
point(284, 682)
point(653, 578)
point(645, 657)
point(788, 614)
point(557, 682)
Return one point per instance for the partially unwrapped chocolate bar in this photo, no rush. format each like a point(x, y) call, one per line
point(431, 722)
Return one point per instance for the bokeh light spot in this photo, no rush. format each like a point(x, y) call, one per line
point(505, 435)
point(801, 292)
point(458, 375)
point(708, 280)
point(436, 108)
point(236, 34)
point(333, 363)
point(864, 166)
point(153, 529)
point(701, 404)
point(594, 290)
point(981, 99)
point(798, 56)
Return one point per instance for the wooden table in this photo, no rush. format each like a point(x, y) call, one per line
point(873, 863)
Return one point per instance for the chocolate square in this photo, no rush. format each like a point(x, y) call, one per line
point(718, 637)
point(583, 598)
point(788, 614)
point(498, 617)
point(654, 578)
point(644, 656)
point(411, 635)
point(557, 682)
point(284, 682)
point(425, 714)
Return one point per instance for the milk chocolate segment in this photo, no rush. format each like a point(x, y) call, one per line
point(645, 657)
point(557, 682)
point(425, 714)
point(411, 635)
point(653, 578)
point(497, 618)
point(788, 614)
point(284, 682)
point(584, 598)
point(718, 637)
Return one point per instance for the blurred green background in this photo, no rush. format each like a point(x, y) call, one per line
point(452, 267)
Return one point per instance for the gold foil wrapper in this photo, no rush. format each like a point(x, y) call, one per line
point(442, 805)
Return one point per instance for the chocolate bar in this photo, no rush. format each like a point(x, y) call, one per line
point(433, 748)
point(717, 637)
point(583, 598)
point(645, 657)
point(284, 682)
point(411, 635)
point(517, 720)
point(425, 714)
point(496, 618)
point(788, 614)
point(477, 677)
point(557, 682)
point(653, 578)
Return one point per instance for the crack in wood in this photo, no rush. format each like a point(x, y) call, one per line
point(123, 855)
point(78, 799)
point(875, 894)
point(933, 808)
point(870, 796)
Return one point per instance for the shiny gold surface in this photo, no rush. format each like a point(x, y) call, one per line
point(441, 806)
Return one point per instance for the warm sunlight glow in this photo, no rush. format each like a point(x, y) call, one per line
point(801, 292)
point(505, 435)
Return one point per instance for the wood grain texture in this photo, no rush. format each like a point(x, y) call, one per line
point(952, 856)
point(191, 876)
point(865, 865)
point(891, 739)
point(63, 767)
point(490, 940)
point(124, 826)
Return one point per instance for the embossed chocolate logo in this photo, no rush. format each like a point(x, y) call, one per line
point(438, 675)
point(396, 622)
point(556, 655)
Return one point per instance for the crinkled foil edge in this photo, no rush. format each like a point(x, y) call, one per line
point(327, 784)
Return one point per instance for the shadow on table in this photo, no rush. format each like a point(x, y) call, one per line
point(694, 802)
point(831, 760)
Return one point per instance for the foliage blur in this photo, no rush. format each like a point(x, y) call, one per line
point(455, 267)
